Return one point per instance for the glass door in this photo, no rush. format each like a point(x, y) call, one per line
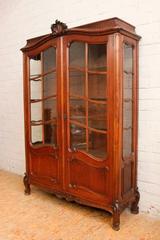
point(88, 99)
point(43, 115)
point(87, 118)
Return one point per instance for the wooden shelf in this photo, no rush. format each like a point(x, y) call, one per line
point(98, 130)
point(43, 99)
point(89, 128)
point(127, 128)
point(98, 72)
point(127, 100)
point(128, 73)
point(40, 122)
point(41, 75)
point(94, 100)
point(97, 100)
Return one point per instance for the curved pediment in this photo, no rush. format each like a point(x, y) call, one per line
point(103, 27)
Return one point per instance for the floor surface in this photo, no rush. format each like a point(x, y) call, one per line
point(41, 216)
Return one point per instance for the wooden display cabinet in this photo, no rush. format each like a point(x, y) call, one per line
point(80, 102)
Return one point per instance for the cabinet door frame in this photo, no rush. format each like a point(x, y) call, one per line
point(54, 152)
point(104, 165)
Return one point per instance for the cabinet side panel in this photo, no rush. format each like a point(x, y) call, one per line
point(26, 108)
point(129, 113)
point(127, 178)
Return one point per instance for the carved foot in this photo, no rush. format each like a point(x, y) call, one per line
point(134, 205)
point(116, 216)
point(27, 189)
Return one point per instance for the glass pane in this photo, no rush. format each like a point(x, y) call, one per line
point(127, 112)
point(77, 54)
point(35, 66)
point(127, 142)
point(77, 110)
point(77, 83)
point(36, 111)
point(97, 86)
point(97, 115)
point(50, 84)
point(127, 100)
point(36, 134)
point(127, 85)
point(97, 144)
point(77, 137)
point(49, 59)
point(36, 89)
point(128, 58)
point(97, 57)
point(35, 77)
point(50, 132)
point(50, 109)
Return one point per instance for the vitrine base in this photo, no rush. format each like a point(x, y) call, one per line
point(115, 209)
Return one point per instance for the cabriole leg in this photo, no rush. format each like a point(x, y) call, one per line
point(134, 205)
point(27, 189)
point(116, 216)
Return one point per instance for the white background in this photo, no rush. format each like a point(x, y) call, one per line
point(23, 19)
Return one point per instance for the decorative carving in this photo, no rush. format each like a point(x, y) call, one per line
point(27, 190)
point(134, 205)
point(58, 28)
point(116, 216)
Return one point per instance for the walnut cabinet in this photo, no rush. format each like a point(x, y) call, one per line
point(80, 104)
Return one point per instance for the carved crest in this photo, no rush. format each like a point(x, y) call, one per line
point(58, 28)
